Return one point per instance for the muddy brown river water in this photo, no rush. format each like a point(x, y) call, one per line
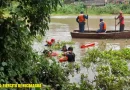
point(61, 26)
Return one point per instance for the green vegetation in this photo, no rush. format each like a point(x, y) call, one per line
point(70, 8)
point(111, 67)
point(20, 22)
point(24, 20)
point(59, 45)
point(107, 9)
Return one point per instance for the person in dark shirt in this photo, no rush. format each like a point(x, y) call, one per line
point(102, 26)
point(70, 55)
point(81, 20)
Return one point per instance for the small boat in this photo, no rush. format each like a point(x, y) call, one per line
point(109, 34)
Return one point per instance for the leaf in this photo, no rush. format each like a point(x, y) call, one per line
point(38, 89)
point(1, 68)
point(4, 64)
point(2, 80)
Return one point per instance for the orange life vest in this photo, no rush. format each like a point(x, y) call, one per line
point(81, 18)
point(104, 26)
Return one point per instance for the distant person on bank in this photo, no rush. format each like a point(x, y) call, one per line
point(81, 20)
point(121, 21)
point(102, 26)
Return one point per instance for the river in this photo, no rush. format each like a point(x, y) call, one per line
point(61, 26)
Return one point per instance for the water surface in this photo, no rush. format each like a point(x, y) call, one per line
point(61, 26)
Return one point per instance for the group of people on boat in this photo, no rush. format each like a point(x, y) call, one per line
point(67, 53)
point(102, 25)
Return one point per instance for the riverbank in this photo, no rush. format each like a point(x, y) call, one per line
point(90, 16)
point(92, 10)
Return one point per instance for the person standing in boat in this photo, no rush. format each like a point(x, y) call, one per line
point(121, 21)
point(102, 26)
point(81, 20)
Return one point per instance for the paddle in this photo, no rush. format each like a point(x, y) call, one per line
point(87, 25)
point(115, 23)
point(87, 20)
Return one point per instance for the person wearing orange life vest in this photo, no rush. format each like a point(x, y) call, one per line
point(121, 21)
point(102, 26)
point(81, 20)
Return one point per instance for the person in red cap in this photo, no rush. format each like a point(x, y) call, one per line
point(49, 43)
point(121, 21)
point(52, 40)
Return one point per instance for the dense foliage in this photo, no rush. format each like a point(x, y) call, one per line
point(107, 9)
point(110, 67)
point(20, 22)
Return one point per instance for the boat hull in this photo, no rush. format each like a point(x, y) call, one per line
point(107, 35)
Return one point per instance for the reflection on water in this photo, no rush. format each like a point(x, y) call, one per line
point(127, 46)
point(93, 22)
point(58, 31)
point(112, 46)
point(60, 28)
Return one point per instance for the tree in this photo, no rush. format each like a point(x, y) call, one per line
point(20, 22)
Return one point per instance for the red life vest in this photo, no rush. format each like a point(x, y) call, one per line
point(49, 43)
point(121, 18)
point(81, 18)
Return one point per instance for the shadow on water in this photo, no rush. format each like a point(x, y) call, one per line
point(60, 28)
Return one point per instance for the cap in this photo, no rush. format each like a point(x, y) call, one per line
point(81, 12)
point(101, 19)
point(52, 40)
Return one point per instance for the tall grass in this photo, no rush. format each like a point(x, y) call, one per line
point(107, 9)
point(70, 8)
